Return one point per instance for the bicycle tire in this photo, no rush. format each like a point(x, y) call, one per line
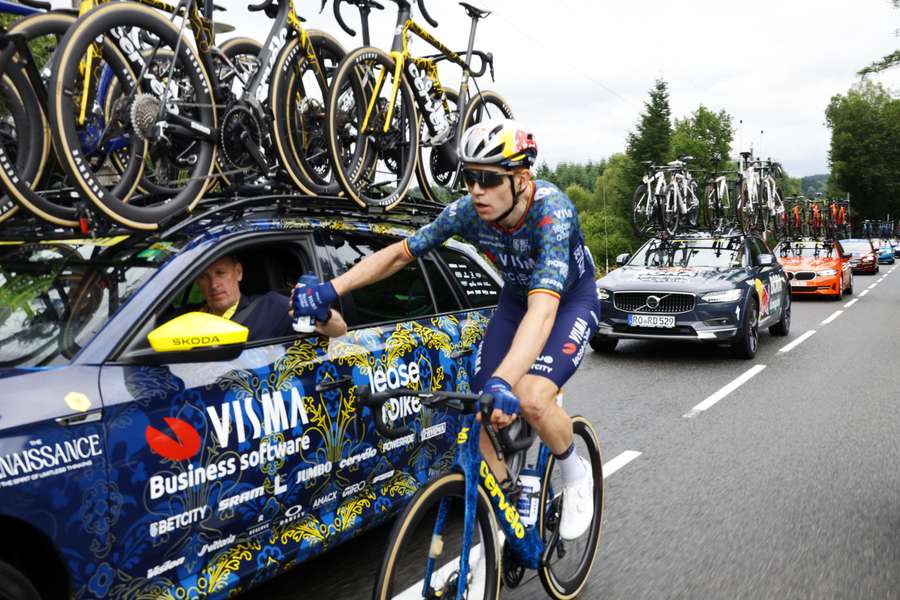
point(357, 173)
point(303, 149)
point(116, 203)
point(693, 215)
point(709, 208)
point(640, 223)
point(669, 219)
point(743, 208)
point(22, 135)
point(23, 190)
point(425, 501)
point(566, 588)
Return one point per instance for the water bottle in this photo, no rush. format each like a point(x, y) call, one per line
point(305, 323)
point(529, 498)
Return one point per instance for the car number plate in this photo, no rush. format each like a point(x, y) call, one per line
point(662, 321)
point(799, 283)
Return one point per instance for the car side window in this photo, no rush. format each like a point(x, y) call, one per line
point(755, 250)
point(444, 297)
point(478, 286)
point(402, 296)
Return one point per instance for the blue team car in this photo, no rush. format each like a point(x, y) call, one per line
point(202, 466)
point(699, 288)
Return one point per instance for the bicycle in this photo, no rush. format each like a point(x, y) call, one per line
point(716, 198)
point(649, 201)
point(770, 199)
point(376, 137)
point(468, 502)
point(174, 109)
point(681, 196)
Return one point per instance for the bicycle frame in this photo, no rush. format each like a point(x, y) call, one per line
point(526, 543)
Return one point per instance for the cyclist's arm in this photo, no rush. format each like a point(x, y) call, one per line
point(531, 335)
point(335, 327)
point(391, 259)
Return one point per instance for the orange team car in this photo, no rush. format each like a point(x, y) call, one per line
point(816, 267)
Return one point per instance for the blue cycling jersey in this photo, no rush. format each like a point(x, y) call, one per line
point(543, 253)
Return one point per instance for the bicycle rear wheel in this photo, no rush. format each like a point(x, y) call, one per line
point(567, 571)
point(744, 208)
point(669, 212)
point(21, 134)
point(432, 525)
point(168, 124)
point(641, 217)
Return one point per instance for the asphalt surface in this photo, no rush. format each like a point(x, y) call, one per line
point(788, 486)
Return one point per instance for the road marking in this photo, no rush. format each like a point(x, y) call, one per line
point(798, 341)
point(863, 293)
point(880, 280)
point(709, 402)
point(871, 286)
point(618, 462)
point(833, 316)
point(851, 303)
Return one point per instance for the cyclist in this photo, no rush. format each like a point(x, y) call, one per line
point(548, 308)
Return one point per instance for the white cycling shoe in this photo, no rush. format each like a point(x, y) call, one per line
point(578, 505)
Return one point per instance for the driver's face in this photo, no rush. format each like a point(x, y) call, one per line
point(220, 284)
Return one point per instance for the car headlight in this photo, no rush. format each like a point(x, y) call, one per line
point(603, 294)
point(826, 273)
point(732, 295)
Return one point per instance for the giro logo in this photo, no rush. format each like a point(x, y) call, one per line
point(569, 348)
point(185, 445)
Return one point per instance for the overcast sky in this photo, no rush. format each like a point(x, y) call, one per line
point(578, 72)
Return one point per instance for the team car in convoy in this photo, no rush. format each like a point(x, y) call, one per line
point(698, 288)
point(204, 469)
point(863, 257)
point(816, 267)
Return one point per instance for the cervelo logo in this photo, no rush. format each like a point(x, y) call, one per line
point(185, 445)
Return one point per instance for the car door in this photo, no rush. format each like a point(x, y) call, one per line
point(770, 282)
point(209, 456)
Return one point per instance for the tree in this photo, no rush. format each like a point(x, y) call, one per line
point(886, 62)
point(651, 139)
point(865, 149)
point(702, 135)
point(813, 184)
point(566, 174)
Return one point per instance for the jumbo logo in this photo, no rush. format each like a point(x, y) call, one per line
point(509, 511)
point(185, 445)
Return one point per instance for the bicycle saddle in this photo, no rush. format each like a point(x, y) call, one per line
point(475, 13)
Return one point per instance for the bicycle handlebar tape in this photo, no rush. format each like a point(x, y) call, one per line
point(425, 13)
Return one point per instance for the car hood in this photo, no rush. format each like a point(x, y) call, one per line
point(806, 264)
point(690, 279)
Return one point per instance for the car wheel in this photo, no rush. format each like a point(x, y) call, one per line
point(783, 327)
point(748, 339)
point(604, 344)
point(14, 585)
point(849, 290)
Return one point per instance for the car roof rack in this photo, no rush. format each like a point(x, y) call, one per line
point(411, 211)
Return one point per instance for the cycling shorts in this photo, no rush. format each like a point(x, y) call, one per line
point(577, 319)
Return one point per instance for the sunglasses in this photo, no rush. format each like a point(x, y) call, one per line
point(486, 179)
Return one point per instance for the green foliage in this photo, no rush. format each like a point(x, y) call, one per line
point(651, 139)
point(702, 135)
point(813, 184)
point(567, 174)
point(41, 48)
point(865, 149)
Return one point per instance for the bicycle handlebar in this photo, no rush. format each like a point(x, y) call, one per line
point(265, 5)
point(464, 403)
point(364, 6)
point(36, 4)
point(425, 14)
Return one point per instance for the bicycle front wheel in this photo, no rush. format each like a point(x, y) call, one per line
point(372, 129)
point(566, 572)
point(641, 216)
point(167, 124)
point(430, 530)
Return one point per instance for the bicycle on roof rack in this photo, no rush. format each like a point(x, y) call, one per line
point(759, 206)
point(717, 198)
point(666, 198)
point(401, 121)
point(191, 123)
point(444, 545)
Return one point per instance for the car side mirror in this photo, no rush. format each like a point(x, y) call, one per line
point(765, 260)
point(846, 255)
point(194, 337)
point(622, 259)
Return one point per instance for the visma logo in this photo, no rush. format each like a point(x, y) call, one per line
point(185, 445)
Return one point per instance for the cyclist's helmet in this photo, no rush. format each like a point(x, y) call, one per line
point(499, 142)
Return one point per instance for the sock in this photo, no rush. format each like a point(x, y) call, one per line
point(570, 466)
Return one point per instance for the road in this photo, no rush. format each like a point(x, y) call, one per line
point(775, 477)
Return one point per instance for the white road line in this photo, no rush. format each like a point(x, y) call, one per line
point(709, 402)
point(851, 303)
point(863, 293)
point(798, 341)
point(618, 462)
point(833, 316)
point(871, 286)
point(880, 280)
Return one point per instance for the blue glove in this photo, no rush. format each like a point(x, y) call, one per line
point(313, 298)
point(504, 399)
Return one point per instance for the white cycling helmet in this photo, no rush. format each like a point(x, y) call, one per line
point(499, 142)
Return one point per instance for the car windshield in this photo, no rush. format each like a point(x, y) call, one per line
point(55, 296)
point(806, 250)
point(712, 253)
point(856, 245)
